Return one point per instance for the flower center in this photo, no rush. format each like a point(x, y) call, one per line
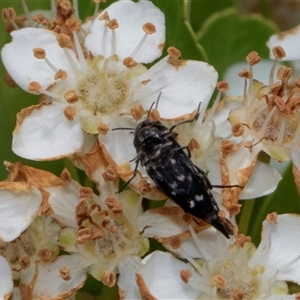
point(106, 231)
point(105, 88)
point(234, 278)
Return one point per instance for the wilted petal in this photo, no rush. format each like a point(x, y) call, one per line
point(21, 64)
point(289, 41)
point(125, 39)
point(6, 282)
point(18, 207)
point(173, 79)
point(43, 132)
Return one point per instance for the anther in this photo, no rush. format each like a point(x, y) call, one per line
point(73, 24)
point(185, 275)
point(108, 278)
point(24, 262)
point(69, 113)
point(85, 192)
point(278, 52)
point(193, 144)
point(34, 87)
point(83, 235)
point(223, 86)
point(64, 9)
point(110, 174)
point(284, 73)
point(137, 112)
point(237, 129)
point(144, 187)
point(219, 281)
point(45, 254)
point(174, 52)
point(175, 242)
point(272, 217)
point(297, 83)
point(104, 17)
point(66, 176)
point(241, 239)
point(65, 41)
point(71, 96)
point(238, 295)
point(112, 24)
point(149, 28)
point(64, 273)
point(129, 62)
point(60, 74)
point(233, 209)
point(8, 15)
point(253, 58)
point(102, 128)
point(40, 19)
point(245, 73)
point(154, 115)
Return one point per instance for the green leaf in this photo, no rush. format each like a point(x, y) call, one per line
point(178, 31)
point(228, 37)
point(200, 10)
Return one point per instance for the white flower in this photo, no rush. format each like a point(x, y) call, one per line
point(227, 270)
point(87, 87)
point(268, 117)
point(103, 229)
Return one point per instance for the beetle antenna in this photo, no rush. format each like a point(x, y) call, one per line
point(122, 128)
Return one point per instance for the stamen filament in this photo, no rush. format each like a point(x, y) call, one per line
point(27, 14)
point(280, 136)
point(50, 65)
point(79, 52)
point(71, 61)
point(267, 120)
point(139, 46)
point(272, 72)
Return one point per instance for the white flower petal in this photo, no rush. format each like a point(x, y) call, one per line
point(127, 281)
point(263, 181)
point(183, 87)
point(289, 41)
point(279, 247)
point(160, 225)
point(43, 132)
point(131, 17)
point(63, 201)
point(161, 274)
point(18, 208)
point(49, 284)
point(220, 117)
point(120, 139)
point(6, 282)
point(23, 67)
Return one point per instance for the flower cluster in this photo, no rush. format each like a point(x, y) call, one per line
point(94, 84)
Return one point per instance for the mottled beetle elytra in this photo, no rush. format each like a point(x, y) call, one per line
point(171, 169)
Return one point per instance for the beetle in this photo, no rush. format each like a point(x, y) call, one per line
point(172, 170)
